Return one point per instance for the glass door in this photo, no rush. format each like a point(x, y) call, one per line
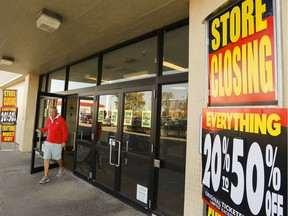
point(136, 145)
point(84, 136)
point(45, 100)
point(123, 149)
point(172, 149)
point(107, 144)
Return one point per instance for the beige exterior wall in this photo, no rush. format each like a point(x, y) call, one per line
point(20, 98)
point(284, 30)
point(29, 109)
point(199, 10)
point(198, 92)
point(1, 97)
point(26, 103)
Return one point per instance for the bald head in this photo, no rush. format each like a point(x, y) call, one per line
point(53, 112)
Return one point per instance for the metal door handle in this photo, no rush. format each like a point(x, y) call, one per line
point(40, 140)
point(119, 152)
point(74, 140)
point(127, 149)
point(110, 153)
point(127, 146)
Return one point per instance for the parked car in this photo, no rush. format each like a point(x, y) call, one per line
point(106, 122)
point(174, 127)
point(86, 118)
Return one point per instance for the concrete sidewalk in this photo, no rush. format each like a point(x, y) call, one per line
point(21, 193)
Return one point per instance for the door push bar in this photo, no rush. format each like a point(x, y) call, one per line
point(113, 142)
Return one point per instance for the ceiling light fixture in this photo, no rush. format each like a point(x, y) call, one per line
point(137, 75)
point(174, 66)
point(6, 60)
point(48, 20)
point(90, 77)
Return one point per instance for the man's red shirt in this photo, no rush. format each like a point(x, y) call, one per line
point(57, 130)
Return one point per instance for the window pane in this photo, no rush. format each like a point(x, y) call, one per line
point(136, 142)
point(83, 75)
point(43, 83)
point(56, 81)
point(85, 118)
point(83, 134)
point(176, 51)
point(173, 131)
point(136, 61)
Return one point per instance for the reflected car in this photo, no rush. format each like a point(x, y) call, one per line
point(106, 122)
point(86, 118)
point(174, 127)
point(136, 125)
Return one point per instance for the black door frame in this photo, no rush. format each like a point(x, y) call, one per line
point(121, 91)
point(82, 142)
point(40, 95)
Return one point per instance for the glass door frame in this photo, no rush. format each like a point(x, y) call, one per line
point(95, 131)
point(160, 164)
point(41, 95)
point(82, 142)
point(117, 184)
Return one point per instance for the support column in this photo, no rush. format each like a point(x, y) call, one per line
point(198, 92)
point(29, 110)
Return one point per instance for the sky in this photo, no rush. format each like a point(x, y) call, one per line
point(6, 77)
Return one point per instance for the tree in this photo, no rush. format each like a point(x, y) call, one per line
point(135, 101)
point(166, 103)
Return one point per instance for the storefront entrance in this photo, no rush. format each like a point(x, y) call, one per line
point(66, 107)
point(114, 147)
point(129, 141)
point(45, 100)
point(126, 110)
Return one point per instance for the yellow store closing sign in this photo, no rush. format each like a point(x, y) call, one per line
point(10, 97)
point(241, 55)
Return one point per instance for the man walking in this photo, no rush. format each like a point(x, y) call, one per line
point(56, 140)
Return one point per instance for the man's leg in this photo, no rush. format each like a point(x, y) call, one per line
point(45, 178)
point(61, 170)
point(57, 155)
point(60, 163)
point(46, 166)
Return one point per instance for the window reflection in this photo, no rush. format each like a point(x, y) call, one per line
point(83, 75)
point(56, 82)
point(136, 142)
point(176, 51)
point(83, 134)
point(173, 131)
point(106, 136)
point(85, 118)
point(174, 111)
point(137, 121)
point(107, 118)
point(136, 61)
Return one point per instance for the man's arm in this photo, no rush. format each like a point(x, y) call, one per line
point(64, 132)
point(44, 129)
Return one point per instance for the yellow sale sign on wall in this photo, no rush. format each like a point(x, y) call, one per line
point(244, 160)
point(241, 54)
point(10, 97)
point(8, 115)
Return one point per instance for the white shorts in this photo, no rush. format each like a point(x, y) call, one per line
point(52, 151)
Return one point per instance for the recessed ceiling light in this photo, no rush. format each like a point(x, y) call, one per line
point(6, 61)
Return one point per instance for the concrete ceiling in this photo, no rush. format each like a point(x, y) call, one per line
point(88, 26)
